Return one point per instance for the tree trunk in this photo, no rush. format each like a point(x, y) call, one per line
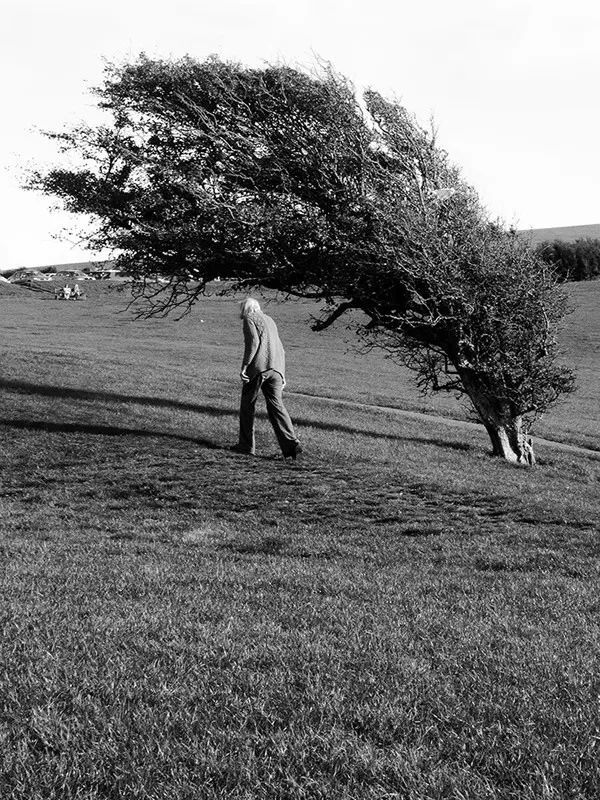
point(509, 439)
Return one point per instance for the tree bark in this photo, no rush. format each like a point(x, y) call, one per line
point(509, 441)
point(505, 429)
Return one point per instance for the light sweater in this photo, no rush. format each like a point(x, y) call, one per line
point(262, 346)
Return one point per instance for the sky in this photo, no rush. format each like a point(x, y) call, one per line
point(511, 84)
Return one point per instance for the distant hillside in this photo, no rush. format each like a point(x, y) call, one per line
point(84, 266)
point(568, 234)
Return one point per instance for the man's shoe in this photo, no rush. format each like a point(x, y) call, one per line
point(293, 454)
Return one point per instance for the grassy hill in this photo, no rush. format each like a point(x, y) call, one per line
point(79, 265)
point(397, 615)
point(565, 234)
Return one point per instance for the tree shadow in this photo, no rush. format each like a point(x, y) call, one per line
point(67, 392)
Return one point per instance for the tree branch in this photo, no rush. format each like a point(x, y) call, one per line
point(322, 324)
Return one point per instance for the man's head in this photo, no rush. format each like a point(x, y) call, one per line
point(249, 306)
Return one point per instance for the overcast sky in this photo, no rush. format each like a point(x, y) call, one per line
point(512, 85)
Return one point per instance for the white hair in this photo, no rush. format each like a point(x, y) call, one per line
point(249, 306)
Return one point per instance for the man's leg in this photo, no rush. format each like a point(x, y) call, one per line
point(250, 391)
point(272, 387)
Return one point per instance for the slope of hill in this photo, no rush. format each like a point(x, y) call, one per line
point(98, 329)
point(566, 234)
point(395, 615)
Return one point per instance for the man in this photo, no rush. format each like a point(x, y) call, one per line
point(263, 367)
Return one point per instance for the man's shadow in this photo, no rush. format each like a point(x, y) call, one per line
point(73, 393)
point(103, 430)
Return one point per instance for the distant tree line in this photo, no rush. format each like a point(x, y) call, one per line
point(573, 261)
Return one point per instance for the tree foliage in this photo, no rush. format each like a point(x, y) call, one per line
point(278, 178)
point(572, 261)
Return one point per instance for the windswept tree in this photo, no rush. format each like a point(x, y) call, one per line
point(277, 178)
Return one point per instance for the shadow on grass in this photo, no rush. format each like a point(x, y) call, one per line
point(412, 532)
point(24, 387)
point(68, 392)
point(271, 545)
point(102, 430)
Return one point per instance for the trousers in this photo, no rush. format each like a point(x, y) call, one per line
point(271, 384)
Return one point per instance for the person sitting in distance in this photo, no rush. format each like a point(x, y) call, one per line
point(263, 368)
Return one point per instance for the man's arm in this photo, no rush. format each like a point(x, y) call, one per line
point(251, 344)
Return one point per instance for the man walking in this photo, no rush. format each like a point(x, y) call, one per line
point(263, 367)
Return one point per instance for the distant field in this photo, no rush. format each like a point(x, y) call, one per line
point(565, 234)
point(100, 336)
point(396, 616)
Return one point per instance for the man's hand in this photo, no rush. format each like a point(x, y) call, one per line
point(243, 376)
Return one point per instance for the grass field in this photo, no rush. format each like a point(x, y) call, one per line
point(395, 616)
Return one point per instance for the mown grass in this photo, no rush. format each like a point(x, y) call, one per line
point(397, 615)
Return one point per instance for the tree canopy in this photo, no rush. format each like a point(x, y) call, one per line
point(278, 178)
